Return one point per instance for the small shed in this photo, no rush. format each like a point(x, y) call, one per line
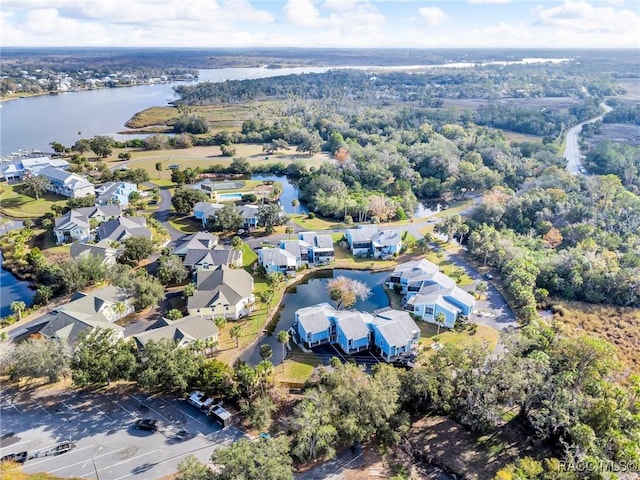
point(221, 416)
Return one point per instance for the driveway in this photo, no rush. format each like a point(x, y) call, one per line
point(163, 213)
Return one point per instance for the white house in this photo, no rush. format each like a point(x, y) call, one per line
point(67, 184)
point(369, 240)
point(222, 292)
point(115, 193)
point(76, 224)
point(277, 260)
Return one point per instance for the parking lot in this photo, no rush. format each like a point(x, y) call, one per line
point(107, 444)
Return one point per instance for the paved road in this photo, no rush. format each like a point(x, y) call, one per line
point(572, 151)
point(163, 213)
point(108, 446)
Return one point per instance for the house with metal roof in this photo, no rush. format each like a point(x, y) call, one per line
point(204, 210)
point(394, 333)
point(76, 224)
point(313, 325)
point(433, 299)
point(121, 228)
point(222, 292)
point(66, 183)
point(183, 331)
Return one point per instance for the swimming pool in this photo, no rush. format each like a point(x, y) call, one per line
point(229, 197)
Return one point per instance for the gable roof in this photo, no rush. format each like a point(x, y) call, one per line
point(68, 328)
point(121, 228)
point(101, 250)
point(80, 216)
point(222, 285)
point(315, 318)
point(248, 211)
point(296, 248)
point(216, 256)
point(364, 233)
point(109, 190)
point(190, 328)
point(396, 327)
point(276, 256)
point(385, 238)
point(316, 241)
point(197, 241)
point(353, 323)
point(71, 180)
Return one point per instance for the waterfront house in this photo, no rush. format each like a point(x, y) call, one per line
point(121, 228)
point(319, 247)
point(249, 214)
point(184, 331)
point(103, 250)
point(77, 224)
point(369, 240)
point(277, 260)
point(86, 311)
point(114, 193)
point(392, 333)
point(412, 276)
point(431, 300)
point(66, 183)
point(222, 292)
point(21, 168)
point(428, 292)
point(297, 248)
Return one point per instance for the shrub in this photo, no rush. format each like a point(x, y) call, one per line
point(311, 216)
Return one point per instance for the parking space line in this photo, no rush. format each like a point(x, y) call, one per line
point(177, 407)
point(154, 410)
point(46, 459)
point(184, 454)
point(15, 444)
point(338, 352)
point(11, 405)
point(192, 418)
point(40, 406)
point(129, 412)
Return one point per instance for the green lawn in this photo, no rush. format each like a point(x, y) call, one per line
point(451, 337)
point(162, 182)
point(16, 205)
point(186, 224)
point(316, 223)
point(248, 256)
point(298, 367)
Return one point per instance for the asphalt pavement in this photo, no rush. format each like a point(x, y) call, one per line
point(108, 446)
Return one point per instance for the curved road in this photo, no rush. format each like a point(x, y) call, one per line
point(572, 151)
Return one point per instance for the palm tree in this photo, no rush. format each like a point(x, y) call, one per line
point(440, 319)
point(288, 231)
point(198, 346)
point(119, 308)
point(220, 322)
point(211, 345)
point(283, 339)
point(236, 332)
point(295, 203)
point(18, 307)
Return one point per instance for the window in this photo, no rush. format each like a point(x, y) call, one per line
point(428, 311)
point(350, 342)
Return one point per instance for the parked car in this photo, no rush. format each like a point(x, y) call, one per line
point(488, 276)
point(149, 424)
point(15, 457)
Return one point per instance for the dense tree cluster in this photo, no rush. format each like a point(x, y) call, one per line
point(621, 160)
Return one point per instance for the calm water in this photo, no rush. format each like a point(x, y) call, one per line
point(289, 192)
point(37, 121)
point(313, 291)
point(12, 289)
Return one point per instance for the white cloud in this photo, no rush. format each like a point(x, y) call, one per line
point(303, 13)
point(496, 2)
point(433, 16)
point(581, 16)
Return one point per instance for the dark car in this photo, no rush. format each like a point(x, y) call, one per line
point(149, 424)
point(488, 276)
point(15, 457)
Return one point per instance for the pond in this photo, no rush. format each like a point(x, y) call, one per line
point(313, 291)
point(289, 192)
point(12, 290)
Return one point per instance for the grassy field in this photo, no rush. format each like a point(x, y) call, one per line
point(298, 367)
point(16, 205)
point(618, 325)
point(204, 157)
point(186, 224)
point(248, 255)
point(429, 332)
point(220, 117)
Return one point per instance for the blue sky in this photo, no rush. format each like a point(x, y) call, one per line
point(322, 23)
